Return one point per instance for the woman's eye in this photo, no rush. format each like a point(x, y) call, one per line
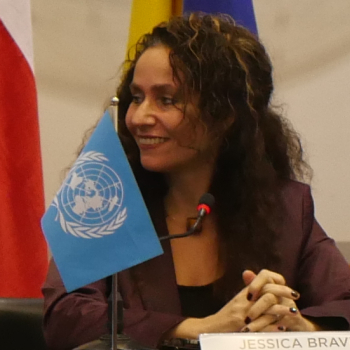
point(166, 101)
point(136, 99)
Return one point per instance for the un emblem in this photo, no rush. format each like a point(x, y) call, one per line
point(89, 203)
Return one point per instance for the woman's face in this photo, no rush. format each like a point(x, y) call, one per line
point(168, 139)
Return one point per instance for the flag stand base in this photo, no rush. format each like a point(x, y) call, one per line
point(105, 343)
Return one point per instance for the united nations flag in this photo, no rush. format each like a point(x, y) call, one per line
point(98, 224)
point(90, 200)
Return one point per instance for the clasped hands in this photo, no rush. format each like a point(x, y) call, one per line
point(266, 304)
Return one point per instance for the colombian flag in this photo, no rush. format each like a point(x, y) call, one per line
point(147, 14)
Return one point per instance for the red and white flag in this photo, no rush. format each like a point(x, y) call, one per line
point(23, 252)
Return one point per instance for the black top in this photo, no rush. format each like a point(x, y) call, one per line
point(199, 301)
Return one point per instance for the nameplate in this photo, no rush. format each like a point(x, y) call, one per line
point(276, 341)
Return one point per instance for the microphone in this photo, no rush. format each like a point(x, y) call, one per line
point(205, 204)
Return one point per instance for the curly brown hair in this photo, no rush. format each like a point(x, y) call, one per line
point(228, 69)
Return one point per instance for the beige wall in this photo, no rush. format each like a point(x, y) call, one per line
point(79, 45)
point(309, 42)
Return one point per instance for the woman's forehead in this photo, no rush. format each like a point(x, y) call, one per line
point(154, 68)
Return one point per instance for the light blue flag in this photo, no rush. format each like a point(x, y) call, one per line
point(241, 10)
point(98, 224)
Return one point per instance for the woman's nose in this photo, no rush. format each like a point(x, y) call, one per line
point(144, 114)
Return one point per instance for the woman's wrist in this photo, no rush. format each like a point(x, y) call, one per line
point(311, 326)
point(190, 328)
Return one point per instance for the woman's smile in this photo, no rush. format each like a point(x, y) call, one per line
point(151, 140)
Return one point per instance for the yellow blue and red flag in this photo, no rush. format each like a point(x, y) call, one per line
point(146, 14)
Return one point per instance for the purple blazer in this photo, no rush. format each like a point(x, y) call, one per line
point(311, 264)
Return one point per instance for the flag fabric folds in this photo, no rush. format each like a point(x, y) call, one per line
point(98, 224)
point(23, 252)
point(241, 10)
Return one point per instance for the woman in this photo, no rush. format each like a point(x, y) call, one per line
point(195, 117)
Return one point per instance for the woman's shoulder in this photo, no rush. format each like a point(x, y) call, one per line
point(295, 191)
point(298, 201)
point(296, 187)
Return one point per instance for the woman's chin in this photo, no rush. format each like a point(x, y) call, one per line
point(158, 167)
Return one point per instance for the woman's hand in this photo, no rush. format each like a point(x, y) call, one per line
point(260, 306)
point(233, 317)
point(286, 314)
point(257, 304)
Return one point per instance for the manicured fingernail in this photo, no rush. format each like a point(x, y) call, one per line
point(249, 296)
point(281, 328)
point(295, 294)
point(293, 310)
point(247, 320)
point(245, 330)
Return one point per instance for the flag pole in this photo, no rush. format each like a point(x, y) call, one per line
point(115, 312)
point(113, 110)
